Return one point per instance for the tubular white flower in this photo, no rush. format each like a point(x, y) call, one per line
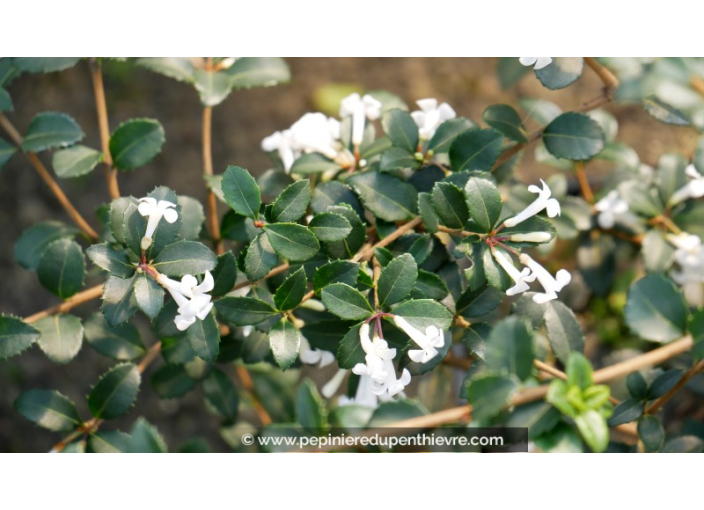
point(430, 116)
point(542, 202)
point(693, 189)
point(192, 299)
point(531, 237)
point(519, 277)
point(312, 356)
point(284, 144)
point(156, 210)
point(537, 62)
point(331, 387)
point(364, 396)
point(360, 108)
point(611, 209)
point(689, 256)
point(314, 132)
point(551, 285)
point(379, 367)
point(428, 342)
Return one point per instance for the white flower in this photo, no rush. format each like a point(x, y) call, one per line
point(192, 299)
point(155, 210)
point(360, 108)
point(551, 285)
point(331, 387)
point(530, 237)
point(283, 142)
point(693, 189)
point(312, 356)
point(314, 132)
point(364, 396)
point(428, 342)
point(611, 209)
point(431, 116)
point(689, 256)
point(379, 366)
point(519, 277)
point(542, 202)
point(537, 62)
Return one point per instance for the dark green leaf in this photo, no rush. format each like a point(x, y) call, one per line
point(421, 313)
point(48, 409)
point(330, 227)
point(149, 295)
point(111, 260)
point(489, 394)
point(561, 72)
point(49, 130)
point(506, 121)
point(564, 332)
point(509, 349)
point(285, 342)
point(354, 241)
point(249, 72)
point(385, 196)
point(429, 285)
point(221, 394)
point(477, 149)
point(172, 381)
point(33, 242)
point(651, 433)
point(224, 274)
point(658, 254)
point(427, 212)
point(397, 158)
point(191, 216)
point(204, 337)
point(538, 417)
point(109, 441)
point(260, 258)
point(213, 87)
point(292, 203)
point(310, 408)
point(292, 241)
point(446, 133)
point(346, 302)
point(290, 293)
point(44, 64)
point(626, 412)
point(75, 161)
point(61, 337)
point(185, 257)
point(663, 112)
point(115, 392)
point(664, 383)
point(62, 268)
point(121, 342)
point(6, 152)
point(655, 309)
point(397, 280)
point(145, 438)
point(484, 202)
point(449, 204)
point(332, 194)
point(241, 192)
point(637, 386)
point(314, 163)
point(135, 143)
point(401, 129)
point(338, 271)
point(573, 136)
point(244, 311)
point(119, 303)
point(478, 302)
point(15, 336)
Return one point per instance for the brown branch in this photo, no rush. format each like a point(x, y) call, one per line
point(248, 385)
point(697, 84)
point(694, 370)
point(584, 185)
point(367, 251)
point(607, 77)
point(49, 180)
point(73, 301)
point(211, 202)
point(96, 75)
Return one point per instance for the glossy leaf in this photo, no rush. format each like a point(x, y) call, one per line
point(61, 337)
point(292, 203)
point(397, 280)
point(62, 268)
point(122, 342)
point(113, 261)
point(477, 149)
point(244, 311)
point(115, 392)
point(75, 161)
point(49, 130)
point(385, 196)
point(655, 309)
point(573, 136)
point(49, 409)
point(292, 241)
point(285, 342)
point(185, 257)
point(241, 192)
point(135, 143)
point(346, 302)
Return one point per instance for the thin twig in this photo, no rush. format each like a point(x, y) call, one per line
point(73, 301)
point(248, 385)
point(694, 370)
point(49, 180)
point(584, 185)
point(367, 252)
point(211, 202)
point(96, 75)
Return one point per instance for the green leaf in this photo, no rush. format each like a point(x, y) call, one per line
point(204, 337)
point(537, 417)
point(75, 161)
point(241, 192)
point(136, 142)
point(655, 309)
point(658, 254)
point(44, 64)
point(477, 149)
point(579, 371)
point(421, 313)
point(594, 430)
point(291, 291)
point(244, 311)
point(626, 412)
point(562, 72)
point(221, 394)
point(337, 271)
point(48, 409)
point(346, 302)
point(61, 337)
point(314, 163)
point(49, 130)
point(651, 432)
point(401, 129)
point(397, 280)
point(449, 204)
point(113, 261)
point(249, 72)
point(224, 274)
point(330, 227)
point(493, 272)
point(478, 302)
point(178, 68)
point(334, 194)
point(665, 113)
point(310, 408)
point(213, 87)
point(637, 386)
point(119, 303)
point(427, 212)
point(115, 392)
point(429, 285)
point(671, 175)
point(397, 158)
point(62, 268)
point(490, 394)
point(354, 241)
point(285, 342)
point(33, 242)
point(15, 336)
point(564, 332)
point(6, 152)
point(191, 216)
point(122, 342)
point(573, 136)
point(292, 241)
point(484, 202)
point(172, 381)
point(385, 196)
point(260, 258)
point(509, 349)
point(510, 71)
point(145, 438)
point(350, 351)
point(506, 121)
point(109, 441)
point(292, 203)
point(422, 248)
point(149, 295)
point(185, 257)
point(446, 133)
point(664, 383)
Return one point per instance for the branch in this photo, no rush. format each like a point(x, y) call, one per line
point(211, 202)
point(102, 109)
point(584, 185)
point(248, 385)
point(694, 370)
point(49, 180)
point(73, 301)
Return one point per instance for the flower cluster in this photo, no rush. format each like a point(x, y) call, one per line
point(613, 209)
point(689, 256)
point(430, 116)
point(536, 62)
point(693, 189)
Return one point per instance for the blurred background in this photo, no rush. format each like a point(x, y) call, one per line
point(239, 125)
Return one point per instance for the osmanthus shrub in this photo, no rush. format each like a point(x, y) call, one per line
point(394, 241)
